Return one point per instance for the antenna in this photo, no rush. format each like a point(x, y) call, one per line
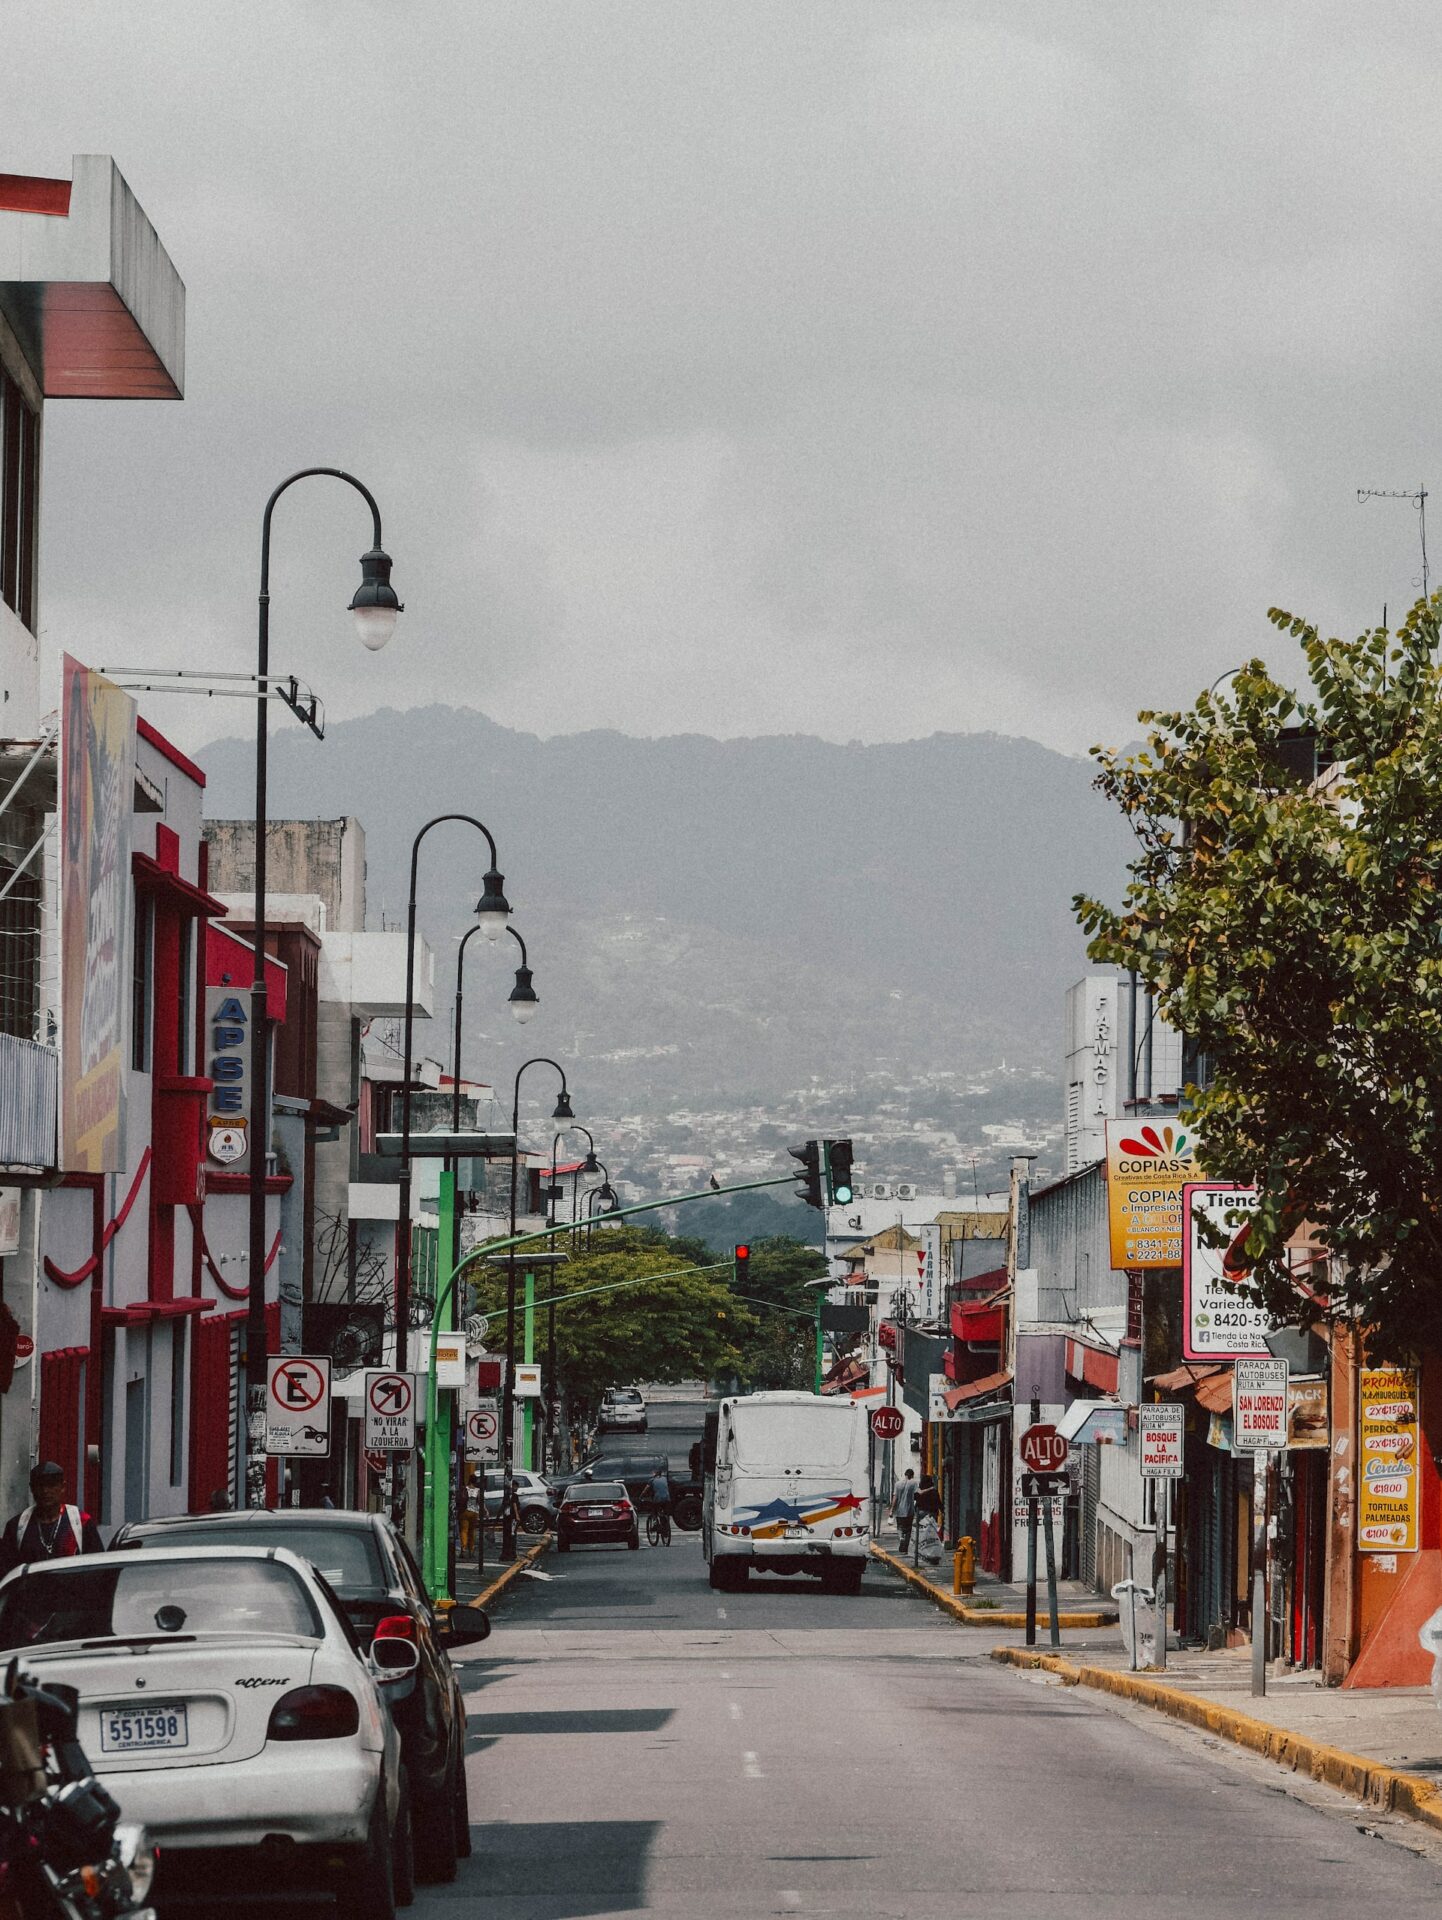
point(1418, 497)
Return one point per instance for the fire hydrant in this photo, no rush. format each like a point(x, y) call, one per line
point(963, 1566)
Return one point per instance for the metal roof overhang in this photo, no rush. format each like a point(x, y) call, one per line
point(87, 288)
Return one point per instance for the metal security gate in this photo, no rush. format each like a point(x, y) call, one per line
point(1089, 1494)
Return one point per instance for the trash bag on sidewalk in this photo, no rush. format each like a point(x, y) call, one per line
point(928, 1545)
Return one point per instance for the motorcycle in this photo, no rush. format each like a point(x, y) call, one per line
point(65, 1853)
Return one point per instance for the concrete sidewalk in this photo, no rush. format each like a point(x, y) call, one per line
point(1397, 1727)
point(996, 1603)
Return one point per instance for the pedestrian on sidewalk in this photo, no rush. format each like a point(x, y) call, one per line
point(48, 1529)
point(903, 1507)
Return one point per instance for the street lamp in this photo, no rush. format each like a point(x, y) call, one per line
point(492, 906)
point(375, 607)
point(523, 995)
point(605, 1198)
point(562, 1117)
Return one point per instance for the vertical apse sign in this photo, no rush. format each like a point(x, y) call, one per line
point(97, 791)
point(227, 1031)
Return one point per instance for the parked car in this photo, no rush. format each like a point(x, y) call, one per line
point(536, 1499)
point(623, 1410)
point(373, 1574)
point(593, 1513)
point(226, 1702)
point(637, 1471)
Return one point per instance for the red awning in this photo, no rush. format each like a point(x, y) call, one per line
point(1212, 1385)
point(1096, 1366)
point(845, 1376)
point(976, 1389)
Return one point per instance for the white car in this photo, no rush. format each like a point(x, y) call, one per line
point(623, 1410)
point(226, 1703)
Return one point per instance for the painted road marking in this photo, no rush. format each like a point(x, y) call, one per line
point(751, 1767)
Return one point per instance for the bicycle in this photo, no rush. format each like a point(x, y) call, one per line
point(658, 1527)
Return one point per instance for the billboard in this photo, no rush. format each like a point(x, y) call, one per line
point(1148, 1164)
point(97, 790)
point(1220, 1321)
point(1388, 1491)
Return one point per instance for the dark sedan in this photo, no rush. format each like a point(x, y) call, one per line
point(597, 1513)
point(375, 1580)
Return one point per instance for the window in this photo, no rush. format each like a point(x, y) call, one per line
point(140, 985)
point(185, 1001)
point(177, 1400)
point(76, 1602)
point(19, 499)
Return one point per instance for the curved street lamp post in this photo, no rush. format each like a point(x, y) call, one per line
point(375, 607)
point(564, 1115)
point(492, 912)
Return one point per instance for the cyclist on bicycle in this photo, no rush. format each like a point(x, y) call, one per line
point(661, 1503)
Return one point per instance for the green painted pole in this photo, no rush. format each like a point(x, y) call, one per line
point(440, 1441)
point(528, 1354)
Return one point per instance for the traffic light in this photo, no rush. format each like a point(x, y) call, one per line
point(838, 1173)
point(810, 1188)
point(741, 1256)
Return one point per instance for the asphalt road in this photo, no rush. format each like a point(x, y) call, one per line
point(641, 1745)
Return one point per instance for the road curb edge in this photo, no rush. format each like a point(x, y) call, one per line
point(978, 1616)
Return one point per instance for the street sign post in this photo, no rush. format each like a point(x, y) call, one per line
point(1259, 1423)
point(888, 1423)
point(1161, 1431)
point(483, 1431)
point(297, 1405)
point(390, 1409)
point(1043, 1453)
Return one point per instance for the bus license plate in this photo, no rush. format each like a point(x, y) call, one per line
point(142, 1729)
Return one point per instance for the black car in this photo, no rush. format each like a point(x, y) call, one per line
point(594, 1512)
point(378, 1585)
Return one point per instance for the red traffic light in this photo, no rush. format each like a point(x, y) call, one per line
point(743, 1253)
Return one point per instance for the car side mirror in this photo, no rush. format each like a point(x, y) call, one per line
point(464, 1627)
point(393, 1660)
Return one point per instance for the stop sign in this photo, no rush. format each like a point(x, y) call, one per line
point(377, 1462)
point(888, 1423)
point(1043, 1450)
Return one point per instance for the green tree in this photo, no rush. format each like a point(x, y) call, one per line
point(781, 1352)
point(684, 1327)
point(1291, 929)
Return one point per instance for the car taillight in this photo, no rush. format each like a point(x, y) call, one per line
point(314, 1713)
point(623, 1506)
point(395, 1626)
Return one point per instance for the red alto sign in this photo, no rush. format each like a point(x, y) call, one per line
point(1043, 1450)
point(888, 1423)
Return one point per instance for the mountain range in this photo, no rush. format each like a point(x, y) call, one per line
point(721, 922)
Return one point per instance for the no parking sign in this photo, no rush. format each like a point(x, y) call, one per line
point(483, 1432)
point(297, 1407)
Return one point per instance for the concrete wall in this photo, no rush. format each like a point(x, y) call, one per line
point(323, 857)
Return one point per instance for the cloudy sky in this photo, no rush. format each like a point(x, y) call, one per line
point(857, 369)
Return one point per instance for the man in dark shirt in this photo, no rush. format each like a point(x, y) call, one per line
point(48, 1529)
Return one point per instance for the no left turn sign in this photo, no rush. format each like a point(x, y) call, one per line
point(390, 1412)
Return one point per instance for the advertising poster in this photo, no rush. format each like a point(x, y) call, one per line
point(1148, 1164)
point(1388, 1497)
point(97, 781)
point(1220, 1321)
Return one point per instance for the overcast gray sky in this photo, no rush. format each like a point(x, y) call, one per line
point(859, 369)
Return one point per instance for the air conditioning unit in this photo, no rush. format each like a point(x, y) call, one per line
point(905, 1191)
point(879, 1192)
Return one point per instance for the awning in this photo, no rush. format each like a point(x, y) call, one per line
point(1094, 1365)
point(1092, 1423)
point(1212, 1385)
point(844, 1376)
point(975, 1390)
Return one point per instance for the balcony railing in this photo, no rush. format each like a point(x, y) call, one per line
point(29, 1094)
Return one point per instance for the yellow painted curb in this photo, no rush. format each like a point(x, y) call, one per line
point(979, 1616)
point(1371, 1781)
point(503, 1580)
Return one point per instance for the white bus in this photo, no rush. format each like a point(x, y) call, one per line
point(786, 1490)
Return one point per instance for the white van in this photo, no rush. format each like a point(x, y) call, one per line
point(787, 1491)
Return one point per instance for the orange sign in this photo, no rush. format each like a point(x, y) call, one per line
point(1388, 1497)
point(1148, 1164)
